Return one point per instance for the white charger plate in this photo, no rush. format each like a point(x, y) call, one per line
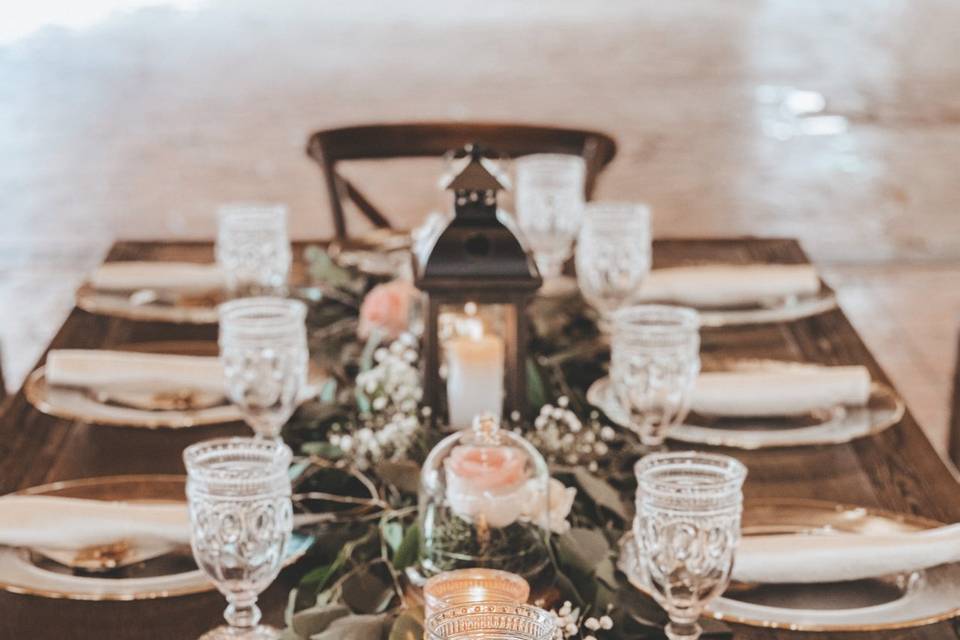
point(839, 424)
point(888, 602)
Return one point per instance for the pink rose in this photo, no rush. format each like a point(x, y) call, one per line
point(488, 482)
point(387, 308)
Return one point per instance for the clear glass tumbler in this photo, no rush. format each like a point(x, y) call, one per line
point(492, 621)
point(241, 518)
point(253, 248)
point(613, 254)
point(654, 362)
point(549, 202)
point(687, 530)
point(263, 348)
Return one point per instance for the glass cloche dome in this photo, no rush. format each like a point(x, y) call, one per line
point(481, 491)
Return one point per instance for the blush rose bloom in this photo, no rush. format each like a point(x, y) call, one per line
point(487, 482)
point(387, 308)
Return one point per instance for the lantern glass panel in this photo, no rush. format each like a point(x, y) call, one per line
point(475, 342)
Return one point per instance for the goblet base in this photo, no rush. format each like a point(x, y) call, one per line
point(259, 632)
point(683, 631)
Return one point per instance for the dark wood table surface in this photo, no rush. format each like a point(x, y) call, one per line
point(897, 470)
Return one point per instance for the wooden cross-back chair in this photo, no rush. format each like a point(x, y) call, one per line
point(954, 427)
point(433, 139)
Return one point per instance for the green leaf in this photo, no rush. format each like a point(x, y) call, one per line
point(314, 582)
point(568, 589)
point(328, 392)
point(403, 474)
point(582, 549)
point(409, 550)
point(310, 621)
point(366, 358)
point(322, 449)
point(367, 590)
point(392, 534)
point(323, 269)
point(296, 470)
point(536, 388)
point(357, 627)
point(600, 492)
point(318, 577)
point(291, 607)
point(408, 626)
point(606, 572)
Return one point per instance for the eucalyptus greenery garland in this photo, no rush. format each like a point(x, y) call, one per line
point(366, 505)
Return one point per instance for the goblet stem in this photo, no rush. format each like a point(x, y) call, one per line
point(683, 630)
point(605, 324)
point(550, 266)
point(242, 612)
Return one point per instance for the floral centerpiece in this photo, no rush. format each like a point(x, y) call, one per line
point(553, 487)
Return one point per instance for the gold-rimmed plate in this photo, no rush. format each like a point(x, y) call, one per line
point(833, 425)
point(73, 403)
point(883, 603)
point(782, 310)
point(170, 574)
point(140, 305)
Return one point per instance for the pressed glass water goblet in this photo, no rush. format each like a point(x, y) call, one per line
point(613, 254)
point(263, 348)
point(654, 362)
point(253, 248)
point(491, 621)
point(687, 530)
point(241, 518)
point(549, 203)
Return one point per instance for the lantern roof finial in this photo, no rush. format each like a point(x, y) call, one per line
point(476, 174)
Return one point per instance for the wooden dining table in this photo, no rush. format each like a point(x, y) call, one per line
point(896, 470)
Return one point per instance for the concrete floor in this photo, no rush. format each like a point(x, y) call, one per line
point(838, 123)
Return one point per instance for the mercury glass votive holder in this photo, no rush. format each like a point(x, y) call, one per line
point(492, 621)
point(473, 586)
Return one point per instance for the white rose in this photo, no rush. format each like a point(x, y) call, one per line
point(550, 512)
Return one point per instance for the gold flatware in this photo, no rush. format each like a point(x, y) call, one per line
point(181, 399)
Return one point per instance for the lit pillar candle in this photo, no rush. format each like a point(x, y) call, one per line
point(474, 378)
point(472, 586)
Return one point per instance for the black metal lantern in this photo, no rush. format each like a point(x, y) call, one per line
point(478, 279)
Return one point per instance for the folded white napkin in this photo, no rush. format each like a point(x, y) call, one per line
point(181, 277)
point(69, 524)
point(124, 369)
point(838, 557)
point(728, 285)
point(787, 392)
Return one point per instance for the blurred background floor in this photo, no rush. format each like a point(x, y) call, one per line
point(838, 123)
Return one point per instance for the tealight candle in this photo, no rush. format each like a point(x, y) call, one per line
point(472, 586)
point(474, 378)
point(492, 621)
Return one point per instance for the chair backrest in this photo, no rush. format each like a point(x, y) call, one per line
point(953, 443)
point(3, 384)
point(433, 139)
